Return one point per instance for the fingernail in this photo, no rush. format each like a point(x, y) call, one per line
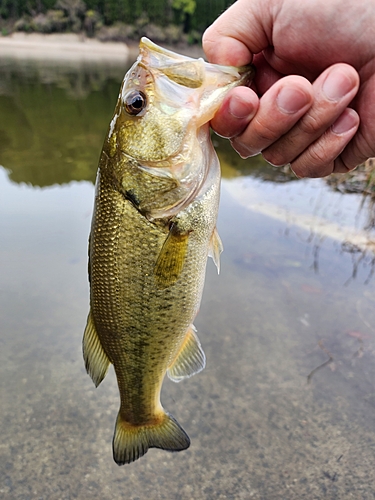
point(337, 85)
point(239, 108)
point(347, 121)
point(291, 100)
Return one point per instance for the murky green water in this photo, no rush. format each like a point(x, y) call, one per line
point(296, 290)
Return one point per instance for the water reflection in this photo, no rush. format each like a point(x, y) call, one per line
point(54, 119)
point(286, 302)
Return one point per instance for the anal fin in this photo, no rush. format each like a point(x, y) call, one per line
point(96, 360)
point(190, 358)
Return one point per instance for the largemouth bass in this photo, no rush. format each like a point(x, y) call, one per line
point(154, 224)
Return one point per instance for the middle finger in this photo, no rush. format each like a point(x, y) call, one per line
point(334, 89)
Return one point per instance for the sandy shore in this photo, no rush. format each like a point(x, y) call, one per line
point(70, 46)
point(62, 46)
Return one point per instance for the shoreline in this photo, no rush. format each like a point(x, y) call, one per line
point(61, 46)
point(71, 46)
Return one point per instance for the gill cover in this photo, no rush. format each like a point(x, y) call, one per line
point(165, 96)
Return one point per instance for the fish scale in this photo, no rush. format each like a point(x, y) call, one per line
point(154, 224)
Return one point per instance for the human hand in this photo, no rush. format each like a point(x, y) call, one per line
point(308, 125)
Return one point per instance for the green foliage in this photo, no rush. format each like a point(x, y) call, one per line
point(8, 9)
point(193, 16)
point(117, 32)
point(207, 11)
point(92, 22)
point(185, 6)
point(75, 12)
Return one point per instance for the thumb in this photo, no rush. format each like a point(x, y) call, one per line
point(243, 30)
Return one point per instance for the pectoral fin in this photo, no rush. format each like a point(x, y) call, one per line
point(190, 358)
point(171, 259)
point(96, 360)
point(215, 249)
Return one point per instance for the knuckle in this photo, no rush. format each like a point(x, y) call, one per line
point(315, 163)
point(341, 167)
point(318, 155)
point(265, 134)
point(310, 125)
point(274, 157)
point(307, 170)
point(345, 163)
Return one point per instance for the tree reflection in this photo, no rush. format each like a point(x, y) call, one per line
point(54, 119)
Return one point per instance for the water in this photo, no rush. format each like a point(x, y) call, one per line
point(286, 405)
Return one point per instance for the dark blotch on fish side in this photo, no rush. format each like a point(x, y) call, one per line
point(131, 196)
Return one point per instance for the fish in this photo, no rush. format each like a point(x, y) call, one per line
point(153, 227)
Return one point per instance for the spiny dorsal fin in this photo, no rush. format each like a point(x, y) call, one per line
point(215, 249)
point(131, 442)
point(96, 360)
point(190, 358)
point(171, 259)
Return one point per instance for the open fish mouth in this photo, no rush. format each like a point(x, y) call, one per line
point(189, 73)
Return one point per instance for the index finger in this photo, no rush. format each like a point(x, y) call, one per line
point(237, 34)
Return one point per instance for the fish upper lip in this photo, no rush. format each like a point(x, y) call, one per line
point(247, 73)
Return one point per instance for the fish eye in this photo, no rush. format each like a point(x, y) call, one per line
point(135, 102)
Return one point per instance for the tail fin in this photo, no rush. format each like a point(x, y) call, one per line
point(131, 442)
